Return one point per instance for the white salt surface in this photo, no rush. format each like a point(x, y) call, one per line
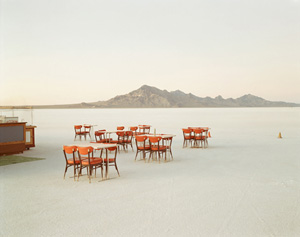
point(247, 183)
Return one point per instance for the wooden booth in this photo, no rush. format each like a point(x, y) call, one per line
point(15, 138)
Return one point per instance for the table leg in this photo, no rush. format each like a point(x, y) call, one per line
point(107, 163)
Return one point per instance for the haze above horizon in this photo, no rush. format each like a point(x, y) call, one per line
point(63, 52)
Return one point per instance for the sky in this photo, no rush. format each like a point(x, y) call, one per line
point(73, 51)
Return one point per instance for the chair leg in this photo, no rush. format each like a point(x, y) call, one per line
point(74, 171)
point(65, 171)
point(79, 173)
point(171, 153)
point(89, 173)
point(117, 169)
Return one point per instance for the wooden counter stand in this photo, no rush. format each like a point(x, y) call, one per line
point(30, 140)
point(12, 138)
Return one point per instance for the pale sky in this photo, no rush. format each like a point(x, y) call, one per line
point(72, 51)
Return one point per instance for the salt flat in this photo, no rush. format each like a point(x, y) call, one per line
point(245, 184)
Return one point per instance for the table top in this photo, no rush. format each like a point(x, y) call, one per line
point(205, 128)
point(160, 135)
point(95, 145)
point(115, 131)
point(144, 126)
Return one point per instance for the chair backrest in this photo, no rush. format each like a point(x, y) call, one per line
point(147, 129)
point(112, 148)
point(186, 132)
point(77, 128)
point(69, 150)
point(87, 128)
point(120, 133)
point(144, 129)
point(120, 136)
point(168, 138)
point(83, 151)
point(141, 138)
point(99, 135)
point(154, 141)
point(128, 136)
point(198, 133)
point(140, 142)
point(133, 129)
point(120, 128)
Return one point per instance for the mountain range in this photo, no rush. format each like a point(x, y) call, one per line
point(152, 97)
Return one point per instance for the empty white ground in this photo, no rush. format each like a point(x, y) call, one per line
point(247, 183)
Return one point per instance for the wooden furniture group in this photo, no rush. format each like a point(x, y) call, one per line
point(82, 131)
point(81, 156)
point(195, 137)
point(156, 146)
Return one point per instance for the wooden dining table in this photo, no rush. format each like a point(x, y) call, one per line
point(205, 129)
point(98, 146)
point(163, 136)
point(108, 133)
point(142, 128)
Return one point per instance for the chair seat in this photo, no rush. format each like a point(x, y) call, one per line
point(93, 161)
point(110, 160)
point(161, 148)
point(71, 161)
point(80, 133)
point(144, 148)
point(189, 137)
point(105, 140)
point(116, 141)
point(199, 138)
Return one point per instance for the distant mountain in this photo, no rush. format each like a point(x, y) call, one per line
point(152, 97)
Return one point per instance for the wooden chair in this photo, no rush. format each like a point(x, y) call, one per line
point(134, 130)
point(71, 159)
point(128, 139)
point(87, 159)
point(187, 136)
point(168, 143)
point(120, 140)
point(199, 138)
point(100, 137)
point(87, 130)
point(141, 146)
point(157, 148)
point(79, 132)
point(144, 129)
point(120, 128)
point(112, 160)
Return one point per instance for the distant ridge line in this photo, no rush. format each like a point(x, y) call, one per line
point(152, 97)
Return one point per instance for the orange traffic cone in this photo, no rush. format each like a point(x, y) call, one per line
point(209, 134)
point(279, 136)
